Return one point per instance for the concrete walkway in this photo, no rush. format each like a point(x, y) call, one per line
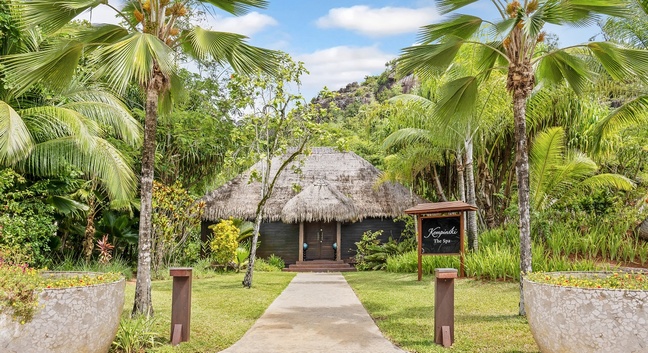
point(317, 312)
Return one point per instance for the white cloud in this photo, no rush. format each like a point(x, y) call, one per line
point(247, 24)
point(376, 22)
point(338, 66)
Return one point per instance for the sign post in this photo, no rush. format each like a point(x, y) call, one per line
point(440, 230)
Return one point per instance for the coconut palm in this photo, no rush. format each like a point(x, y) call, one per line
point(515, 43)
point(142, 51)
point(556, 174)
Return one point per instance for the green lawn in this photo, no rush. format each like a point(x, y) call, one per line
point(486, 317)
point(222, 310)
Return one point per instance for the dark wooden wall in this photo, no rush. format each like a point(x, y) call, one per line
point(280, 239)
point(352, 233)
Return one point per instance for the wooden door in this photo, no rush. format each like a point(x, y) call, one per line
point(320, 237)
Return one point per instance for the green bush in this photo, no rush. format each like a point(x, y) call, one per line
point(372, 254)
point(276, 261)
point(262, 265)
point(224, 242)
point(135, 335)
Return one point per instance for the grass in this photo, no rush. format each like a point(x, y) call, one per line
point(486, 317)
point(222, 310)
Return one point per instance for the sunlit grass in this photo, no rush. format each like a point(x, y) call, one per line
point(486, 317)
point(221, 309)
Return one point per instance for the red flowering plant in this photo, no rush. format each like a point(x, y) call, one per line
point(614, 280)
point(20, 285)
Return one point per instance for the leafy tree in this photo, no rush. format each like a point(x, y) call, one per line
point(276, 128)
point(143, 51)
point(176, 216)
point(223, 244)
point(515, 41)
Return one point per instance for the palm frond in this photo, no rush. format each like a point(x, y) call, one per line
point(587, 12)
point(408, 136)
point(461, 26)
point(102, 159)
point(230, 48)
point(51, 15)
point(101, 34)
point(237, 7)
point(429, 59)
point(487, 56)
point(634, 111)
point(608, 180)
point(560, 65)
point(422, 103)
point(457, 98)
point(54, 66)
point(620, 62)
point(133, 59)
point(446, 6)
point(15, 139)
point(546, 153)
point(46, 122)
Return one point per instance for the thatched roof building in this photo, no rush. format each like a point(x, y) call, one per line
point(320, 206)
point(327, 185)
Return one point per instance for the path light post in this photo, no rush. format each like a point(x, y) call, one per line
point(444, 306)
point(180, 304)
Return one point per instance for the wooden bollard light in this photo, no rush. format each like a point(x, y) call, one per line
point(444, 306)
point(180, 304)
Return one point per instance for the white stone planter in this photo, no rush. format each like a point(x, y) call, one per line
point(78, 319)
point(576, 320)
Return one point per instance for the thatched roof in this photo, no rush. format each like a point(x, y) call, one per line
point(319, 202)
point(327, 185)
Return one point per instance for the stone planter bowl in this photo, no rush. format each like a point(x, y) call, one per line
point(577, 320)
point(77, 319)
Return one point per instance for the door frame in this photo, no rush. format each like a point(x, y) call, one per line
point(338, 251)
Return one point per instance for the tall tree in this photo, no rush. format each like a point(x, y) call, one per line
point(276, 130)
point(515, 42)
point(143, 51)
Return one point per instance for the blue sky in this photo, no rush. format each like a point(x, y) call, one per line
point(342, 41)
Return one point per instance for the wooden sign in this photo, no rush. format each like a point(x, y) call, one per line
point(441, 235)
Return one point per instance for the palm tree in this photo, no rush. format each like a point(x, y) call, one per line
point(143, 52)
point(516, 42)
point(556, 174)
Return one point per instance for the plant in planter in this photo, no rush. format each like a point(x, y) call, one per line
point(58, 311)
point(588, 311)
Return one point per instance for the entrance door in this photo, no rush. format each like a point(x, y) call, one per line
point(320, 237)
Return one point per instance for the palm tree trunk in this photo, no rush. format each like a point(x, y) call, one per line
point(143, 304)
point(437, 184)
point(471, 198)
point(461, 179)
point(522, 171)
point(88, 240)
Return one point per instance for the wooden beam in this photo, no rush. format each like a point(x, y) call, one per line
point(338, 251)
point(301, 241)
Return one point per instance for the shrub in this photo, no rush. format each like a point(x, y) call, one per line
point(373, 255)
point(628, 280)
point(262, 265)
point(224, 242)
point(135, 335)
point(276, 261)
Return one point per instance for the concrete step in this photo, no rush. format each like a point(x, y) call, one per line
point(320, 266)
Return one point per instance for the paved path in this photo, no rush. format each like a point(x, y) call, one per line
point(317, 312)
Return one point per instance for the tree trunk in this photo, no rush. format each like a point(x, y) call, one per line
point(522, 171)
point(88, 240)
point(471, 198)
point(437, 184)
point(247, 280)
point(461, 179)
point(143, 304)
